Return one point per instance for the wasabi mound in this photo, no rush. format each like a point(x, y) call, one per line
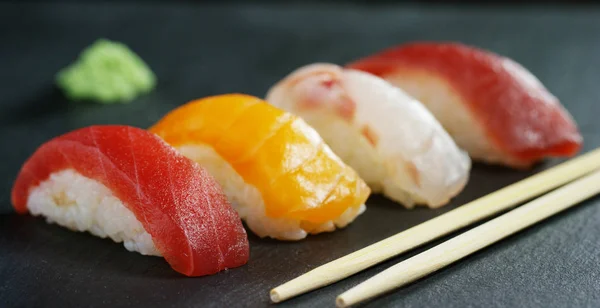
point(106, 72)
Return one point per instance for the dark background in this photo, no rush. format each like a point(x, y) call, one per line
point(370, 3)
point(229, 46)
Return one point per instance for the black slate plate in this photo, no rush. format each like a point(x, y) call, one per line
point(203, 50)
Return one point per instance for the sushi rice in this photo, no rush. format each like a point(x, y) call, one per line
point(71, 200)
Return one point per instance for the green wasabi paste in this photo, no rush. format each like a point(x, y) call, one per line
point(106, 72)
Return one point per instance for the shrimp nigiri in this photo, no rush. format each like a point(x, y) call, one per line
point(388, 137)
point(127, 184)
point(280, 176)
point(493, 107)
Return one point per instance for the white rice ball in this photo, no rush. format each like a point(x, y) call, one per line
point(71, 200)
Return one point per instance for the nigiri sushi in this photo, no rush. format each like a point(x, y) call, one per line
point(388, 137)
point(280, 176)
point(127, 184)
point(493, 107)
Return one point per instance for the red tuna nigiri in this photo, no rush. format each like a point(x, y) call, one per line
point(492, 106)
point(128, 184)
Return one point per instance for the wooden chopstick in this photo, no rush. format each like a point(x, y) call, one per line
point(451, 221)
point(473, 240)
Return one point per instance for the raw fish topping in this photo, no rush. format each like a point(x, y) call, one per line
point(177, 202)
point(298, 176)
point(521, 120)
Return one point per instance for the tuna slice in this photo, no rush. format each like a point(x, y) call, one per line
point(492, 106)
point(128, 184)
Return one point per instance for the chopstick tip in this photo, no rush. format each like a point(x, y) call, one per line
point(275, 298)
point(340, 302)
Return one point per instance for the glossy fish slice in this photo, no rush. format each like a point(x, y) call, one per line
point(492, 106)
point(388, 137)
point(127, 184)
point(277, 171)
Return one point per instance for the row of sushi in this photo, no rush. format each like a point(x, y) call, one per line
point(405, 122)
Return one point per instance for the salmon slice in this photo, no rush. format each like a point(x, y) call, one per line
point(276, 168)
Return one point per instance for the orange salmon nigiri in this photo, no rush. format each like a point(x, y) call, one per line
point(280, 176)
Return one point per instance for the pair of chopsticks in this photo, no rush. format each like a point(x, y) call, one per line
point(581, 173)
